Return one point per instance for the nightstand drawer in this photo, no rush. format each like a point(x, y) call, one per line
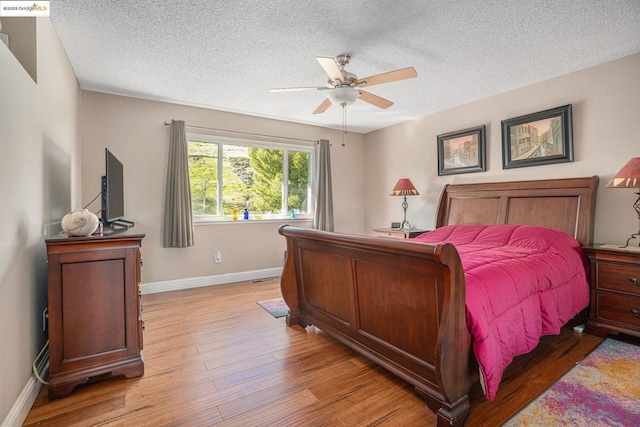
point(397, 233)
point(393, 235)
point(619, 277)
point(618, 309)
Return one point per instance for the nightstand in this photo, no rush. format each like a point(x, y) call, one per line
point(615, 290)
point(397, 233)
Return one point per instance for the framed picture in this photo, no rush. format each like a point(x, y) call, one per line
point(538, 139)
point(462, 151)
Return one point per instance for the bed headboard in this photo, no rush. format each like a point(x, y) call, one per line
point(563, 204)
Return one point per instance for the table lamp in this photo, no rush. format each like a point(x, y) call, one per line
point(405, 188)
point(629, 177)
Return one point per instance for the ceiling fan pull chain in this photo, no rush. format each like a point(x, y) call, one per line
point(344, 122)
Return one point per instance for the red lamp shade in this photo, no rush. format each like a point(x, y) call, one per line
point(404, 187)
point(628, 177)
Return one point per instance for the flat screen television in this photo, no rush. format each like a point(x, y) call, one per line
point(113, 194)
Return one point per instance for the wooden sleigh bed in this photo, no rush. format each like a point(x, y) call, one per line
point(402, 304)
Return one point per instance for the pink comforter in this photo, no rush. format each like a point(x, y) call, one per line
point(522, 282)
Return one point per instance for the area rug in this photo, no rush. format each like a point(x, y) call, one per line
point(276, 307)
point(602, 390)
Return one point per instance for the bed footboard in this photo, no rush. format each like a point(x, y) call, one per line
point(399, 303)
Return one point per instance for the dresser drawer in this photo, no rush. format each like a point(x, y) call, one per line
point(619, 277)
point(618, 309)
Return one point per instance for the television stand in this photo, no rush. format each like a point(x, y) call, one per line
point(117, 226)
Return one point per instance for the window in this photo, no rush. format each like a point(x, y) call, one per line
point(230, 175)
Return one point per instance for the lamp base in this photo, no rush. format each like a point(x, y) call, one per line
point(405, 224)
point(636, 206)
point(633, 236)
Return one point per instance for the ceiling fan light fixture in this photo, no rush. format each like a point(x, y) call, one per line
point(343, 96)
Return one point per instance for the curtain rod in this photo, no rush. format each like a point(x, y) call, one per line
point(166, 123)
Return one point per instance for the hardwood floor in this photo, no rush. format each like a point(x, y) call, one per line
point(214, 357)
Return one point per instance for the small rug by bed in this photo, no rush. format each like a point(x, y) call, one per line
point(276, 307)
point(603, 390)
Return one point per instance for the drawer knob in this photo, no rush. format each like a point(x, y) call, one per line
point(635, 313)
point(634, 280)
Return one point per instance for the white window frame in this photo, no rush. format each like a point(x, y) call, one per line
point(244, 142)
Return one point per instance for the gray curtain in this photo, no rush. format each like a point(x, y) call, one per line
point(178, 224)
point(324, 195)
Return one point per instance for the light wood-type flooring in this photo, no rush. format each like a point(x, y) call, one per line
point(214, 357)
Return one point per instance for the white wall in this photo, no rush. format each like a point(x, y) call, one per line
point(606, 134)
point(38, 183)
point(133, 129)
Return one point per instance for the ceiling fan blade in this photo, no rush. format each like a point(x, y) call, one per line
point(375, 100)
point(330, 66)
point(296, 89)
point(391, 76)
point(323, 107)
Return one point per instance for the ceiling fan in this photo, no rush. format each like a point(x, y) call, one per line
point(345, 87)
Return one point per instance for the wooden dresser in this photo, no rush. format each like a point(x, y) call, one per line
point(95, 318)
point(615, 290)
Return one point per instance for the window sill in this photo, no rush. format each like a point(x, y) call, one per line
point(198, 222)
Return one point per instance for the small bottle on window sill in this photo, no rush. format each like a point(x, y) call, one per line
point(246, 213)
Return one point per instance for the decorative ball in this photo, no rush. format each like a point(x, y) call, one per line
point(80, 222)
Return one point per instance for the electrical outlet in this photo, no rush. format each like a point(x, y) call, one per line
point(218, 257)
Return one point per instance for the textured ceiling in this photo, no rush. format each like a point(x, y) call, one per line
point(225, 55)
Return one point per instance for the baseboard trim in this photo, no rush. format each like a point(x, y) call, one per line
point(22, 406)
point(197, 282)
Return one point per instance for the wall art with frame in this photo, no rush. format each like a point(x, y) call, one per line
point(462, 151)
point(538, 139)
